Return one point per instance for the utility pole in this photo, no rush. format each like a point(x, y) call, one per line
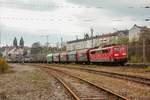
point(0, 39)
point(102, 40)
point(47, 43)
point(144, 59)
point(92, 31)
point(0, 44)
point(61, 39)
point(116, 42)
point(76, 37)
point(57, 46)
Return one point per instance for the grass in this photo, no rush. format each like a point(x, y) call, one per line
point(3, 66)
point(135, 59)
point(147, 69)
point(36, 76)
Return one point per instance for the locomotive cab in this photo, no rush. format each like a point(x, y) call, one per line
point(120, 54)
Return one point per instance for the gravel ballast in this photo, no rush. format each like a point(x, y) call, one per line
point(125, 88)
point(29, 83)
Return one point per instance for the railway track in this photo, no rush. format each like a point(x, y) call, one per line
point(65, 85)
point(82, 89)
point(140, 80)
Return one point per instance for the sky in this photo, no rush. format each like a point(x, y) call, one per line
point(34, 19)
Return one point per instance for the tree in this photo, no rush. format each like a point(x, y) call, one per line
point(21, 42)
point(123, 40)
point(15, 42)
point(86, 36)
point(144, 41)
point(1, 55)
point(139, 50)
point(145, 34)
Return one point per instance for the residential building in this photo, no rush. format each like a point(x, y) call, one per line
point(135, 31)
point(105, 39)
point(15, 52)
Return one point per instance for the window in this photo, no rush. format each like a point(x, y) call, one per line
point(121, 48)
point(93, 52)
point(116, 49)
point(105, 51)
point(99, 51)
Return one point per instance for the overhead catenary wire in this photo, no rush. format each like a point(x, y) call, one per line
point(59, 5)
point(61, 19)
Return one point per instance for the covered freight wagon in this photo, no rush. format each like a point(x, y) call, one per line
point(63, 57)
point(56, 58)
point(83, 56)
point(72, 56)
point(49, 58)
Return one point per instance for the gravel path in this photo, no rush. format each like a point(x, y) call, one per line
point(29, 83)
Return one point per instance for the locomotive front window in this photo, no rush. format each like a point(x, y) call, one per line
point(122, 48)
point(116, 49)
point(93, 52)
point(105, 51)
point(99, 51)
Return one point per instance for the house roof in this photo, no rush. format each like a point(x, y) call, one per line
point(124, 32)
point(141, 27)
point(16, 51)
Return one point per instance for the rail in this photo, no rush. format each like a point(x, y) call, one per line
point(100, 87)
point(141, 80)
point(66, 86)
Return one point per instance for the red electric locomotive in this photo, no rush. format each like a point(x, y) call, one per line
point(111, 54)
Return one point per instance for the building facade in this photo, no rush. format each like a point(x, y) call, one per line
point(134, 33)
point(91, 42)
point(95, 41)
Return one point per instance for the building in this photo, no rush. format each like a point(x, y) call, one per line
point(96, 41)
point(12, 54)
point(15, 52)
point(134, 33)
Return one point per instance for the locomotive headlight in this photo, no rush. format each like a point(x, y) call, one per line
point(116, 54)
point(123, 54)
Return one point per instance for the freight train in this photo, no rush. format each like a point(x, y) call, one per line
point(116, 54)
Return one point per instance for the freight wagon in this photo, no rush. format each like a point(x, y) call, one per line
point(63, 57)
point(49, 58)
point(83, 56)
point(56, 58)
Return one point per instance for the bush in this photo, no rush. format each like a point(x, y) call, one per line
point(3, 66)
point(147, 69)
point(135, 59)
point(1, 55)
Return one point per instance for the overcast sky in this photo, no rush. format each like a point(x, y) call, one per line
point(33, 19)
